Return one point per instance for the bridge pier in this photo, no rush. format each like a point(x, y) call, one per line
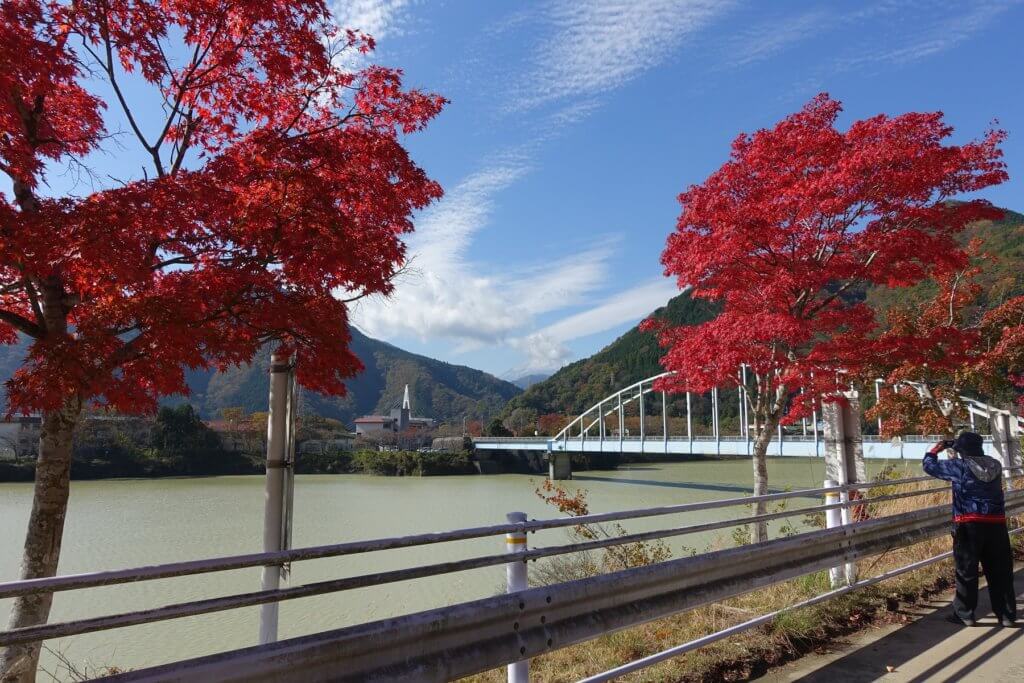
point(559, 465)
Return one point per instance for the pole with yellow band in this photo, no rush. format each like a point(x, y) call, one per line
point(515, 574)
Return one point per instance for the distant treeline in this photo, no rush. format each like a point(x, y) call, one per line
point(178, 443)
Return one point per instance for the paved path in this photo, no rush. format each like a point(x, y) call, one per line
point(927, 649)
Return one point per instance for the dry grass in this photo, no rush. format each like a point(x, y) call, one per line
point(787, 637)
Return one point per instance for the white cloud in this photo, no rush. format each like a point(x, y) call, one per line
point(546, 349)
point(448, 296)
point(594, 47)
point(378, 18)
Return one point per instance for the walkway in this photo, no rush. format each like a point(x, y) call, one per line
point(928, 649)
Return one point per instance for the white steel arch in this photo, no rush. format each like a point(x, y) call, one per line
point(589, 433)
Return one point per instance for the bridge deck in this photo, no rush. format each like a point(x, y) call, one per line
point(791, 446)
point(927, 649)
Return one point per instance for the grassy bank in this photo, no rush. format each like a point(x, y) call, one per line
point(787, 637)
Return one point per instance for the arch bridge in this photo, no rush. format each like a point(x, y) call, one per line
point(639, 420)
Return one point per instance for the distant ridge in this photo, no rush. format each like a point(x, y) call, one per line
point(439, 390)
point(526, 381)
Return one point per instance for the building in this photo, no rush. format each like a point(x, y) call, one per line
point(19, 437)
point(398, 421)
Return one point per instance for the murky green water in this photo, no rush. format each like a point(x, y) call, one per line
point(125, 523)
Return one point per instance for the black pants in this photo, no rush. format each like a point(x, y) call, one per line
point(989, 543)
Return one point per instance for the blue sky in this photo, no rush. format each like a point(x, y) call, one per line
point(573, 126)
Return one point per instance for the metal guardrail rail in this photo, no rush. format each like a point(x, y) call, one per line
point(856, 539)
point(467, 638)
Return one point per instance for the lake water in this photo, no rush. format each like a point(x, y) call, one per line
point(124, 523)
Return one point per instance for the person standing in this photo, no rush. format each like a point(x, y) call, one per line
point(979, 527)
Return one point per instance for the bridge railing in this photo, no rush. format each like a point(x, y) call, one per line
point(595, 423)
point(495, 630)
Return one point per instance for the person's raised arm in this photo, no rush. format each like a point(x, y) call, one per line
point(938, 468)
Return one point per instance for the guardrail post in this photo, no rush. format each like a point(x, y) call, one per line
point(833, 518)
point(517, 580)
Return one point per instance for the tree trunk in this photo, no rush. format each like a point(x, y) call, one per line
point(759, 459)
point(42, 542)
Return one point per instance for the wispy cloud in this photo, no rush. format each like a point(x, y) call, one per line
point(766, 40)
point(448, 296)
point(589, 48)
point(950, 25)
point(378, 18)
point(547, 348)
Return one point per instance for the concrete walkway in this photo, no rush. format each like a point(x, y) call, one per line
point(927, 649)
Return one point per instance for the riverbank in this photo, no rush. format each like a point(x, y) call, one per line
point(153, 466)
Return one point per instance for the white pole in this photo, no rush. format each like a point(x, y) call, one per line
point(746, 409)
point(273, 511)
point(622, 423)
point(714, 421)
point(664, 420)
point(516, 580)
point(689, 423)
point(814, 426)
point(878, 399)
point(643, 418)
point(833, 518)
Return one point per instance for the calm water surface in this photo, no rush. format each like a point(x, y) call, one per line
point(124, 523)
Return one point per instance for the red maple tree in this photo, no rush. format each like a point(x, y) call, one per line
point(275, 187)
point(934, 352)
point(788, 228)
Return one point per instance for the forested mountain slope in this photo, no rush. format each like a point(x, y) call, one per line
point(439, 390)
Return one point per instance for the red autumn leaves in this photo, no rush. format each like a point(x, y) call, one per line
point(277, 182)
point(788, 232)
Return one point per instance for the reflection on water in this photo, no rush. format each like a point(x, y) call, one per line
point(123, 523)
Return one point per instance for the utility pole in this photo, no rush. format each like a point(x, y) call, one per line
point(279, 483)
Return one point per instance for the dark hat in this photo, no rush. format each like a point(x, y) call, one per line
point(969, 444)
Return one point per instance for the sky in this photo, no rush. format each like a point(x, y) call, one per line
point(574, 124)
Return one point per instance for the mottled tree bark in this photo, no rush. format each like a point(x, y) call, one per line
point(41, 552)
point(43, 540)
point(759, 460)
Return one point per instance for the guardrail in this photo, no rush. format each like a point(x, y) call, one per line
point(469, 637)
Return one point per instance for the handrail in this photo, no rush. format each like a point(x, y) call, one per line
point(672, 652)
point(470, 637)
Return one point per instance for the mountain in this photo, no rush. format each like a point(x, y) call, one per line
point(628, 359)
point(635, 355)
point(526, 381)
point(438, 390)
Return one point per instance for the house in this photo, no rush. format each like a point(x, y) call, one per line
point(398, 421)
point(19, 437)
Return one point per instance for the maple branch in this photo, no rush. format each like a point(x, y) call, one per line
point(108, 67)
point(952, 296)
point(844, 287)
point(21, 323)
point(33, 298)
